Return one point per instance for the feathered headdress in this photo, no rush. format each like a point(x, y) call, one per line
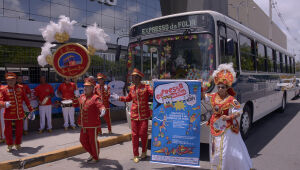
point(224, 74)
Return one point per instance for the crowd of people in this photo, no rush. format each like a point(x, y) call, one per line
point(228, 150)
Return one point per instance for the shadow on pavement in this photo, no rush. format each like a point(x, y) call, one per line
point(264, 130)
point(28, 150)
point(103, 164)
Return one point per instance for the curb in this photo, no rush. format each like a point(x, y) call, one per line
point(59, 154)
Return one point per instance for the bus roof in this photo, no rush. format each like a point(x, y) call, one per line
point(229, 21)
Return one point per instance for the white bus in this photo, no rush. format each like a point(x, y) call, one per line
point(191, 45)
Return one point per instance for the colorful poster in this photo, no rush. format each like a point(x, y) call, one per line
point(176, 122)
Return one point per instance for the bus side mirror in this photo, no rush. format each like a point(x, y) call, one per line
point(229, 47)
point(118, 52)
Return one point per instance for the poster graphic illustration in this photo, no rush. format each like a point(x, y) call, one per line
point(176, 122)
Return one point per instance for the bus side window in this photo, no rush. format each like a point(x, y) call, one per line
point(291, 63)
point(261, 57)
point(270, 60)
point(228, 46)
point(286, 64)
point(247, 53)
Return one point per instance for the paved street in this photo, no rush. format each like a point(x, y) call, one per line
point(273, 144)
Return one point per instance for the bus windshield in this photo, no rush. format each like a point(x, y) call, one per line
point(185, 57)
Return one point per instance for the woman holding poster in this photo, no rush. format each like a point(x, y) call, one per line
point(227, 150)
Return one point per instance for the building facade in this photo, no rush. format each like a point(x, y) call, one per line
point(20, 38)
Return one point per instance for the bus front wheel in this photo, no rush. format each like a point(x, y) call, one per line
point(245, 123)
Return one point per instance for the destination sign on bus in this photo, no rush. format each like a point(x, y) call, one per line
point(172, 24)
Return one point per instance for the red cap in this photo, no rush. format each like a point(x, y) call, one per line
point(137, 72)
point(89, 82)
point(100, 76)
point(10, 75)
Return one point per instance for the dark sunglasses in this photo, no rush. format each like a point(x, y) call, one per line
point(221, 87)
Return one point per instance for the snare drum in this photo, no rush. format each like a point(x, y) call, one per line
point(67, 103)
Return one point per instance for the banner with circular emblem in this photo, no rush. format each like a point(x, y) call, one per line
point(71, 60)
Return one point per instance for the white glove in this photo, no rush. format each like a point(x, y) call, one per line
point(7, 104)
point(76, 92)
point(102, 112)
point(115, 96)
point(31, 116)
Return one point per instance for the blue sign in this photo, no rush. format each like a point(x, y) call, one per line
point(176, 122)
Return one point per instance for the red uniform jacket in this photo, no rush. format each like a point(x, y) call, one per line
point(67, 90)
point(42, 91)
point(89, 116)
point(104, 93)
point(139, 96)
point(16, 97)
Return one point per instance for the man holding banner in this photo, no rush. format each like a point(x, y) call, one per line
point(44, 93)
point(139, 94)
point(103, 91)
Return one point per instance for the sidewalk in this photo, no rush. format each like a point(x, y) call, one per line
point(35, 143)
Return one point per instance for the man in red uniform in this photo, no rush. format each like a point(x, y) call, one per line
point(44, 93)
point(89, 119)
point(139, 94)
point(103, 91)
point(67, 91)
point(2, 136)
point(12, 98)
point(28, 93)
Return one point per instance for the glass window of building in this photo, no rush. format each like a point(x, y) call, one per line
point(80, 4)
point(78, 15)
point(57, 10)
point(61, 2)
point(40, 7)
point(108, 10)
point(93, 18)
point(93, 6)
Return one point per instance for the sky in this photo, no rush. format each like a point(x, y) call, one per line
point(290, 11)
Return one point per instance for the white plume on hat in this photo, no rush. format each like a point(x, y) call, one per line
point(97, 38)
point(64, 25)
point(227, 67)
point(46, 50)
point(49, 31)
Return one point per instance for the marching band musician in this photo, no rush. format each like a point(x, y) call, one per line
point(44, 93)
point(139, 94)
point(227, 148)
point(103, 91)
point(91, 109)
point(12, 98)
point(2, 136)
point(67, 92)
point(28, 93)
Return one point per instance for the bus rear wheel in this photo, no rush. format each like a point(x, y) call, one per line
point(245, 123)
point(283, 104)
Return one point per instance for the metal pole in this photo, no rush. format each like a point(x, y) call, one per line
point(270, 15)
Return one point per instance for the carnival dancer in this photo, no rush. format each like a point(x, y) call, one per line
point(44, 93)
point(103, 91)
point(227, 148)
point(12, 98)
point(28, 93)
point(91, 109)
point(2, 136)
point(68, 92)
point(139, 94)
